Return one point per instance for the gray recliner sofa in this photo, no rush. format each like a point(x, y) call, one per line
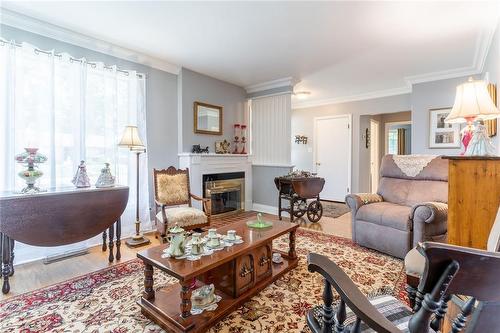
point(407, 209)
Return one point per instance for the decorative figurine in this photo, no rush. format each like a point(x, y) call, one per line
point(222, 147)
point(106, 179)
point(480, 143)
point(31, 158)
point(81, 178)
point(198, 150)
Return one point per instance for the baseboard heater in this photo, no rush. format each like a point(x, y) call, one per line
point(65, 255)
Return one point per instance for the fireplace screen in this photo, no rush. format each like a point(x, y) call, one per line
point(227, 195)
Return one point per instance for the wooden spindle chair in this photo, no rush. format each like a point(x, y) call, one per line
point(450, 270)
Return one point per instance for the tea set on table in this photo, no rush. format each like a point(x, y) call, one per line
point(196, 247)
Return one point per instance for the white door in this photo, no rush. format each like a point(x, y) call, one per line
point(374, 155)
point(333, 155)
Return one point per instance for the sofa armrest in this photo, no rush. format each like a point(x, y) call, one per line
point(429, 212)
point(429, 221)
point(354, 201)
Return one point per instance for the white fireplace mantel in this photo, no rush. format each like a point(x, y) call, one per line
point(204, 164)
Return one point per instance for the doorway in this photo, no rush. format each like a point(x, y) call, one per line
point(398, 138)
point(374, 154)
point(332, 155)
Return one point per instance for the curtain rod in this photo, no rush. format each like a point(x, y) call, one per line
point(93, 64)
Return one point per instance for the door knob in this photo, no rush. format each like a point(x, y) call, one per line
point(317, 163)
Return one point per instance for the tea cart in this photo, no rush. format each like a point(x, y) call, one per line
point(297, 190)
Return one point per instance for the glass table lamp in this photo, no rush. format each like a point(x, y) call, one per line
point(473, 104)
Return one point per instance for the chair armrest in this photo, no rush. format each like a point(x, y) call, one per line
point(195, 197)
point(159, 204)
point(354, 201)
point(207, 203)
point(350, 293)
point(429, 212)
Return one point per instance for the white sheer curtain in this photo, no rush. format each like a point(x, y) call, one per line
point(71, 111)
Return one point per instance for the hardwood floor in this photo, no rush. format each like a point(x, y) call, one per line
point(35, 275)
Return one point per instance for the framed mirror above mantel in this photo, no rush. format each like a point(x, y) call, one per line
point(207, 118)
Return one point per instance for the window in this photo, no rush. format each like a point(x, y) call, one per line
point(71, 110)
point(392, 142)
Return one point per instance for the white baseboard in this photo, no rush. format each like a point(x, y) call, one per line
point(267, 209)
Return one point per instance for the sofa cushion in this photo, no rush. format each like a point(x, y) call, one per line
point(183, 216)
point(386, 214)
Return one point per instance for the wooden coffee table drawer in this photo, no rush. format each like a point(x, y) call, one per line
point(245, 277)
point(263, 267)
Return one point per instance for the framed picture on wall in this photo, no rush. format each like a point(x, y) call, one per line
point(441, 134)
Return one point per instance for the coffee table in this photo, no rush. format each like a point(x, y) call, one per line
point(238, 272)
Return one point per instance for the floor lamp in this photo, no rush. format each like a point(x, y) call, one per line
point(131, 140)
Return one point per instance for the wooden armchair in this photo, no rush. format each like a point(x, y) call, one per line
point(172, 190)
point(449, 270)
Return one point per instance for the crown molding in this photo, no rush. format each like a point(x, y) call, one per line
point(353, 98)
point(481, 51)
point(20, 21)
point(283, 82)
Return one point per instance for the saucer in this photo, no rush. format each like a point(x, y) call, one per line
point(235, 240)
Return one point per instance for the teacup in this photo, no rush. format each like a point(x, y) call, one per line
point(212, 232)
point(213, 241)
point(231, 235)
point(277, 257)
point(197, 248)
point(195, 237)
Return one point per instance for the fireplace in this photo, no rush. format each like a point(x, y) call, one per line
point(227, 192)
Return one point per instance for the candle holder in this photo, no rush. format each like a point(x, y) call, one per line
point(243, 139)
point(237, 133)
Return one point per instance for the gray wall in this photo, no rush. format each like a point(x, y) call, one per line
point(426, 96)
point(264, 190)
point(197, 87)
point(161, 96)
point(303, 123)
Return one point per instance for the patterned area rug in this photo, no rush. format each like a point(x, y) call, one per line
point(334, 209)
point(105, 301)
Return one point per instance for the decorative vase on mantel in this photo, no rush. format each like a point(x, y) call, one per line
point(31, 158)
point(81, 178)
point(243, 139)
point(237, 133)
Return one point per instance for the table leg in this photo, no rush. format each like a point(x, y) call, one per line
point(185, 298)
point(5, 263)
point(149, 292)
point(118, 240)
point(104, 238)
point(291, 251)
point(111, 232)
point(292, 201)
point(12, 243)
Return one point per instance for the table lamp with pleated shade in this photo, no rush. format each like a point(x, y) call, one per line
point(472, 105)
point(131, 139)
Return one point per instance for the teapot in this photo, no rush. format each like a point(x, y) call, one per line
point(177, 239)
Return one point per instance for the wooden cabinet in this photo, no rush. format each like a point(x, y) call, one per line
point(473, 199)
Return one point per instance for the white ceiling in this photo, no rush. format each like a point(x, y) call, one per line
point(337, 50)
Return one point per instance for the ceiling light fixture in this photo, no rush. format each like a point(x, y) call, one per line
point(302, 94)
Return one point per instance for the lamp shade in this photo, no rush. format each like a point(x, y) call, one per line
point(472, 101)
point(130, 138)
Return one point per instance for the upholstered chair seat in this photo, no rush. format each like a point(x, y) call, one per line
point(183, 216)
